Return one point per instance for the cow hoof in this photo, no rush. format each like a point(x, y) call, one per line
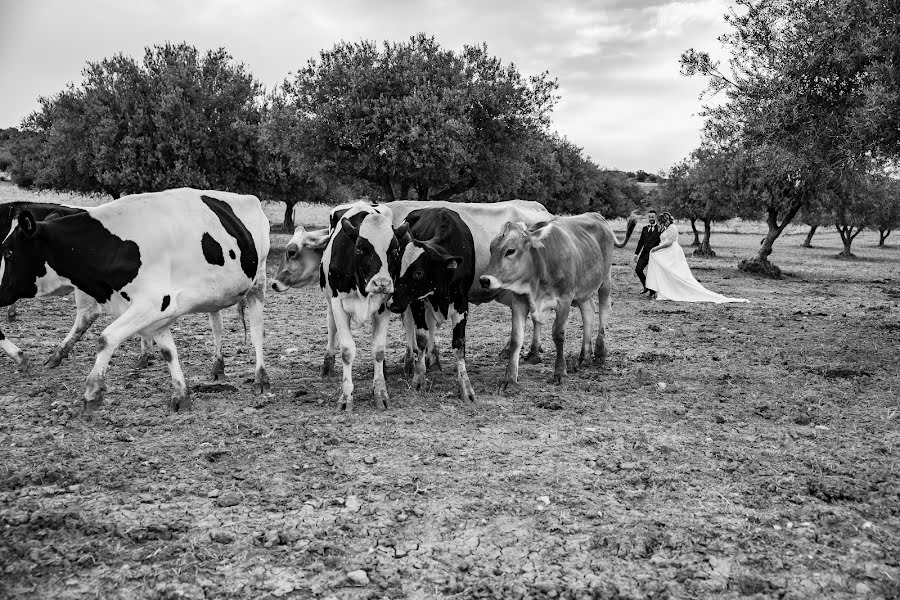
point(557, 378)
point(418, 381)
point(504, 354)
point(345, 402)
point(54, 360)
point(143, 360)
point(180, 402)
point(466, 393)
point(433, 362)
point(262, 384)
point(381, 399)
point(218, 369)
point(508, 385)
point(90, 405)
point(408, 363)
point(327, 365)
point(533, 358)
point(23, 363)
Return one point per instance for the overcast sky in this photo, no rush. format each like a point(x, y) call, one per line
point(623, 99)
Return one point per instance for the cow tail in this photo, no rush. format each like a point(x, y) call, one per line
point(632, 222)
point(241, 306)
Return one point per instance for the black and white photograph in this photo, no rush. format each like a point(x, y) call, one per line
point(572, 300)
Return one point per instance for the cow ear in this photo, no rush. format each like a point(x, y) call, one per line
point(318, 239)
point(401, 231)
point(452, 262)
point(351, 231)
point(27, 223)
point(533, 238)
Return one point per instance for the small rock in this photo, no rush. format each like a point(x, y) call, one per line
point(544, 499)
point(630, 466)
point(229, 499)
point(358, 577)
point(74, 488)
point(661, 385)
point(654, 327)
point(862, 589)
point(352, 504)
point(213, 493)
point(681, 409)
point(370, 460)
point(221, 536)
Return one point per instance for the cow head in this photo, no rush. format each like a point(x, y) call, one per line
point(512, 263)
point(424, 267)
point(376, 257)
point(22, 257)
point(300, 264)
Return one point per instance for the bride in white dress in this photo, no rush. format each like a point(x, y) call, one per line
point(669, 275)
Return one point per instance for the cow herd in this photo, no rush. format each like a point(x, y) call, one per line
point(149, 258)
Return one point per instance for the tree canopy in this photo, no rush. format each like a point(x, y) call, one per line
point(180, 117)
point(414, 116)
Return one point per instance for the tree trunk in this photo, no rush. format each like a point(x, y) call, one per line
point(457, 188)
point(760, 265)
point(422, 191)
point(288, 224)
point(847, 237)
point(704, 249)
point(404, 190)
point(388, 189)
point(807, 243)
point(696, 233)
point(882, 236)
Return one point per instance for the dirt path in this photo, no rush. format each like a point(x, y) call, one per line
point(722, 451)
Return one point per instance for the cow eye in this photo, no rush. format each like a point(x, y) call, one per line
point(418, 275)
point(510, 252)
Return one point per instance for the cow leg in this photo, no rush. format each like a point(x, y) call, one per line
point(588, 317)
point(534, 353)
point(466, 392)
point(559, 339)
point(136, 318)
point(420, 322)
point(11, 312)
point(328, 359)
point(87, 311)
point(181, 399)
point(433, 355)
point(12, 351)
point(254, 306)
point(146, 355)
point(380, 324)
point(348, 354)
point(218, 366)
point(604, 302)
point(409, 327)
point(519, 312)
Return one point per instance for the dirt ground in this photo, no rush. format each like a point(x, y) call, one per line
point(722, 451)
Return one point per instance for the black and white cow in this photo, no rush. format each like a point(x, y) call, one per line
point(9, 212)
point(437, 268)
point(148, 259)
point(358, 269)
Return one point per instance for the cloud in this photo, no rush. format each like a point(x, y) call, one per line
point(624, 100)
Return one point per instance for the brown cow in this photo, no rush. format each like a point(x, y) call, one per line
point(555, 265)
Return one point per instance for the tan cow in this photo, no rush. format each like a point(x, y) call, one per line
point(556, 265)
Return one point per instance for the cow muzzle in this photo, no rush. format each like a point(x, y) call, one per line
point(380, 285)
point(279, 286)
point(489, 282)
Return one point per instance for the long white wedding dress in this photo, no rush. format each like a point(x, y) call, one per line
point(669, 275)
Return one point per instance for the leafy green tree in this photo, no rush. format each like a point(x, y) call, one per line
point(886, 217)
point(803, 94)
point(413, 116)
point(178, 118)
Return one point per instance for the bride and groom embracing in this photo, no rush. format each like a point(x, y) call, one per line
point(668, 275)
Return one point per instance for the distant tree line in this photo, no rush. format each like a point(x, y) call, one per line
point(805, 123)
point(393, 120)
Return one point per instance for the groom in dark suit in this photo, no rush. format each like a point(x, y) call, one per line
point(649, 239)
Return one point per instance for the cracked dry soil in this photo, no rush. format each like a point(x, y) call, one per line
point(766, 466)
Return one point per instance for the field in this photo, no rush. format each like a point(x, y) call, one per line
point(721, 451)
